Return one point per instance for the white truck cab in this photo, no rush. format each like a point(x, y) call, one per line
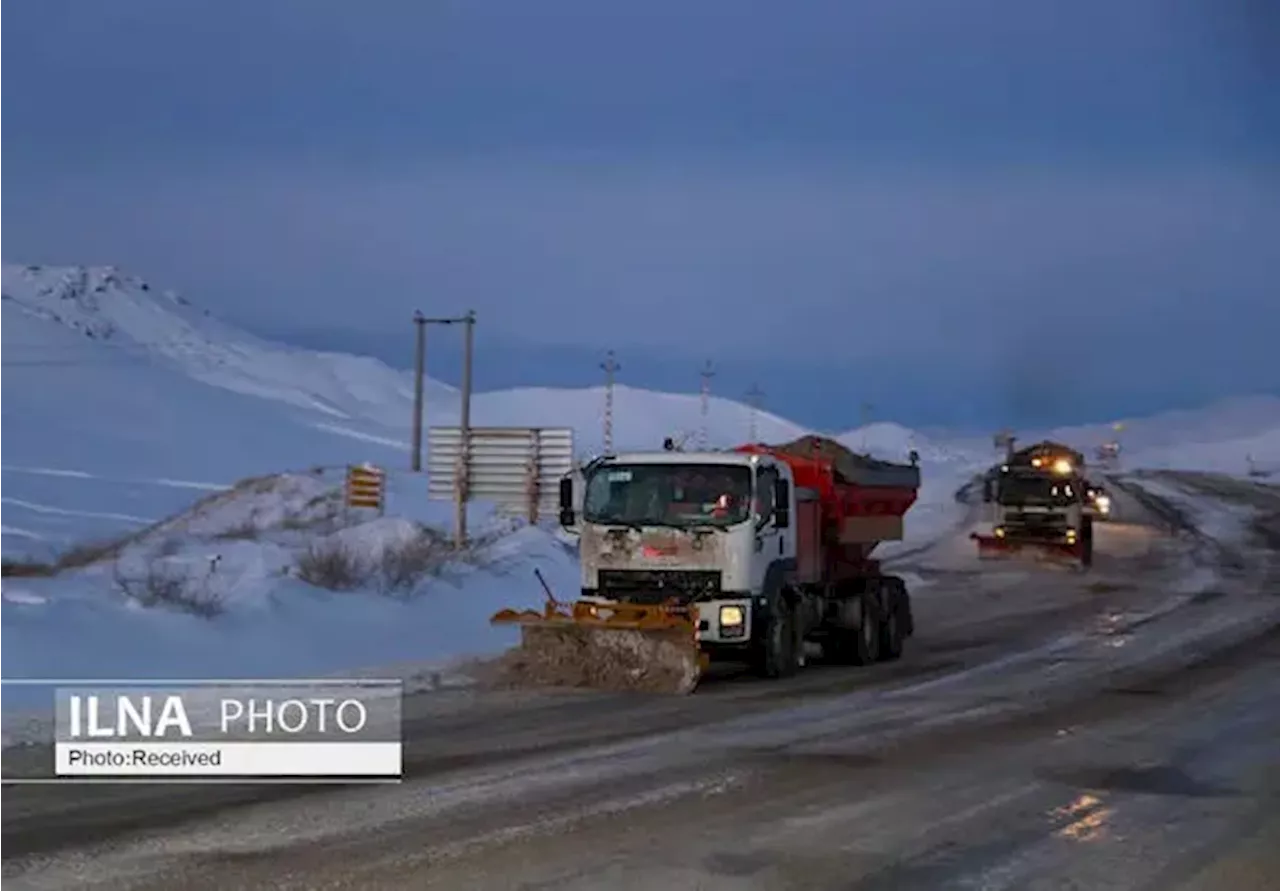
point(711, 529)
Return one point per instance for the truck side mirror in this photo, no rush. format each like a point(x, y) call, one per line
point(781, 504)
point(567, 515)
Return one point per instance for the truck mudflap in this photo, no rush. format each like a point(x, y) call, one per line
point(623, 646)
point(994, 547)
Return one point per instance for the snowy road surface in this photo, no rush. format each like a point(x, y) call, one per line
point(1047, 729)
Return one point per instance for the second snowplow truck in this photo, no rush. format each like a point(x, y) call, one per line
point(1041, 506)
point(742, 555)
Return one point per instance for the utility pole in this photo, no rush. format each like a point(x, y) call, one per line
point(754, 397)
point(611, 368)
point(419, 373)
point(464, 422)
point(707, 374)
point(462, 471)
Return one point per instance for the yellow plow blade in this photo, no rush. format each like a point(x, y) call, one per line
point(616, 647)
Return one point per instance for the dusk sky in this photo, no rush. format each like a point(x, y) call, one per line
point(966, 213)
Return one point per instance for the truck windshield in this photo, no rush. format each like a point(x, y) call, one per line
point(1037, 490)
point(668, 494)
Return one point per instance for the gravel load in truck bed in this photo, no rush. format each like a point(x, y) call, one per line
point(852, 468)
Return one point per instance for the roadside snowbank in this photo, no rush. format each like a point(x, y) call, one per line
point(239, 553)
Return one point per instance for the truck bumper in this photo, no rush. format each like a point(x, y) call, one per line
point(1001, 546)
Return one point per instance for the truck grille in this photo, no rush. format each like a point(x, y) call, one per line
point(658, 585)
point(1037, 522)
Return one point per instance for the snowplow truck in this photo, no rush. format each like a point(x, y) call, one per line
point(744, 555)
point(1041, 507)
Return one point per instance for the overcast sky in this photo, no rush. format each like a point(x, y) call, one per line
point(972, 212)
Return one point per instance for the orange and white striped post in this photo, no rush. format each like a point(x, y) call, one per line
point(366, 487)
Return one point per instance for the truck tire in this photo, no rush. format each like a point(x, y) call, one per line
point(778, 652)
point(895, 624)
point(861, 645)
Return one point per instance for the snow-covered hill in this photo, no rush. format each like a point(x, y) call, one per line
point(120, 398)
point(128, 319)
point(45, 308)
point(248, 583)
point(108, 306)
point(1231, 436)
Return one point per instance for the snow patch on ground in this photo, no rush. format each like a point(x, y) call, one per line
point(242, 548)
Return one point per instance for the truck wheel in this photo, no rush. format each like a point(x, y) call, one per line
point(867, 644)
point(778, 654)
point(895, 625)
point(861, 645)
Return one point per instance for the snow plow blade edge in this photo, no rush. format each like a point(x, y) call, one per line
point(622, 647)
point(991, 547)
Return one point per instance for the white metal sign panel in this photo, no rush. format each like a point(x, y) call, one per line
point(504, 462)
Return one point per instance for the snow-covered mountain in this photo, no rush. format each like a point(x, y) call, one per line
point(121, 318)
point(124, 312)
point(120, 397)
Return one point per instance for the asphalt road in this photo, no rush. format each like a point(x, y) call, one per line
point(1047, 729)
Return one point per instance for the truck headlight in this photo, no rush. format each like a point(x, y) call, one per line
point(1071, 536)
point(731, 615)
point(999, 532)
point(1104, 503)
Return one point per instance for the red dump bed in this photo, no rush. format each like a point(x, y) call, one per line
point(859, 502)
